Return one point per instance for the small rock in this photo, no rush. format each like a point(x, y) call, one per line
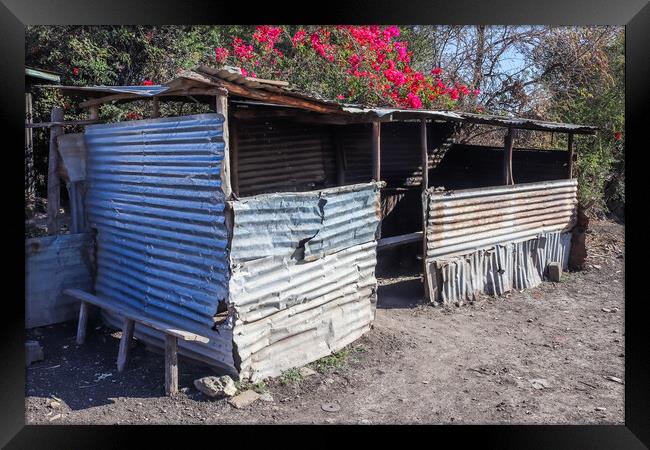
point(540, 383)
point(266, 397)
point(614, 379)
point(596, 266)
point(530, 320)
point(600, 408)
point(606, 310)
point(216, 386)
point(33, 352)
point(307, 372)
point(58, 416)
point(614, 310)
point(54, 404)
point(330, 407)
point(185, 390)
point(365, 422)
point(244, 399)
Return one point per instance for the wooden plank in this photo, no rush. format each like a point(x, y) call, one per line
point(570, 154)
point(376, 151)
point(424, 161)
point(394, 241)
point(60, 123)
point(424, 154)
point(507, 157)
point(82, 325)
point(171, 365)
point(222, 108)
point(234, 156)
point(53, 180)
point(125, 344)
point(155, 108)
point(134, 315)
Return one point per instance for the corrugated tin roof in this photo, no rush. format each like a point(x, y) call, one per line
point(209, 76)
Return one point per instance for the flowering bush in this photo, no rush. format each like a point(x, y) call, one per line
point(355, 64)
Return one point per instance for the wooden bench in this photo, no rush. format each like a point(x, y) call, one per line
point(130, 317)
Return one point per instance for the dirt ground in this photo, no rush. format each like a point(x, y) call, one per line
point(419, 364)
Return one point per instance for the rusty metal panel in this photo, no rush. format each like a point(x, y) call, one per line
point(52, 264)
point(155, 199)
point(497, 269)
point(303, 282)
point(493, 240)
point(460, 222)
point(281, 156)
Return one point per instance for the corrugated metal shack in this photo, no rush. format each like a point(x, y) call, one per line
point(259, 225)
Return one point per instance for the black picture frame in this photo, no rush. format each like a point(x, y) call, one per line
point(634, 14)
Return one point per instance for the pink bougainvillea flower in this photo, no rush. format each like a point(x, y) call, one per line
point(221, 54)
point(147, 82)
point(436, 71)
point(340, 96)
point(618, 135)
point(413, 100)
point(75, 71)
point(453, 94)
point(464, 90)
point(244, 72)
point(299, 37)
point(477, 91)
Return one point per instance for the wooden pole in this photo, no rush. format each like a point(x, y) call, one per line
point(222, 108)
point(425, 185)
point(53, 180)
point(571, 154)
point(171, 364)
point(29, 148)
point(234, 156)
point(125, 344)
point(94, 112)
point(82, 325)
point(507, 157)
point(376, 151)
point(155, 108)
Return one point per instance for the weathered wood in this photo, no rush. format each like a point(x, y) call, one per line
point(425, 184)
point(53, 180)
point(394, 241)
point(94, 112)
point(222, 108)
point(134, 315)
point(125, 344)
point(82, 325)
point(234, 156)
point(211, 91)
point(155, 108)
point(570, 154)
point(29, 148)
point(171, 365)
point(376, 151)
point(60, 123)
point(507, 157)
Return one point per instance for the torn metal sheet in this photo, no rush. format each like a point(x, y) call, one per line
point(498, 269)
point(303, 275)
point(52, 264)
point(155, 199)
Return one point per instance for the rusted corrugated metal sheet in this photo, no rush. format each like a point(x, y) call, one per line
point(462, 221)
point(281, 156)
point(303, 282)
point(495, 239)
point(52, 264)
point(155, 198)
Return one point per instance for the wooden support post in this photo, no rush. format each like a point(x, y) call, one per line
point(507, 157)
point(53, 180)
point(234, 156)
point(222, 108)
point(83, 323)
point(125, 344)
point(155, 108)
point(340, 158)
point(425, 184)
point(376, 151)
point(29, 149)
point(94, 112)
point(571, 154)
point(171, 364)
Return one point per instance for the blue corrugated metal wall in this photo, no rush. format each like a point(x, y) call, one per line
point(155, 198)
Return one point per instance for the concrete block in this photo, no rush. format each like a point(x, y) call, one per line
point(33, 352)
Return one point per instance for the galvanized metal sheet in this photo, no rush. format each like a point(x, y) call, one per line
point(52, 264)
point(498, 269)
point(303, 282)
point(460, 222)
point(155, 198)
